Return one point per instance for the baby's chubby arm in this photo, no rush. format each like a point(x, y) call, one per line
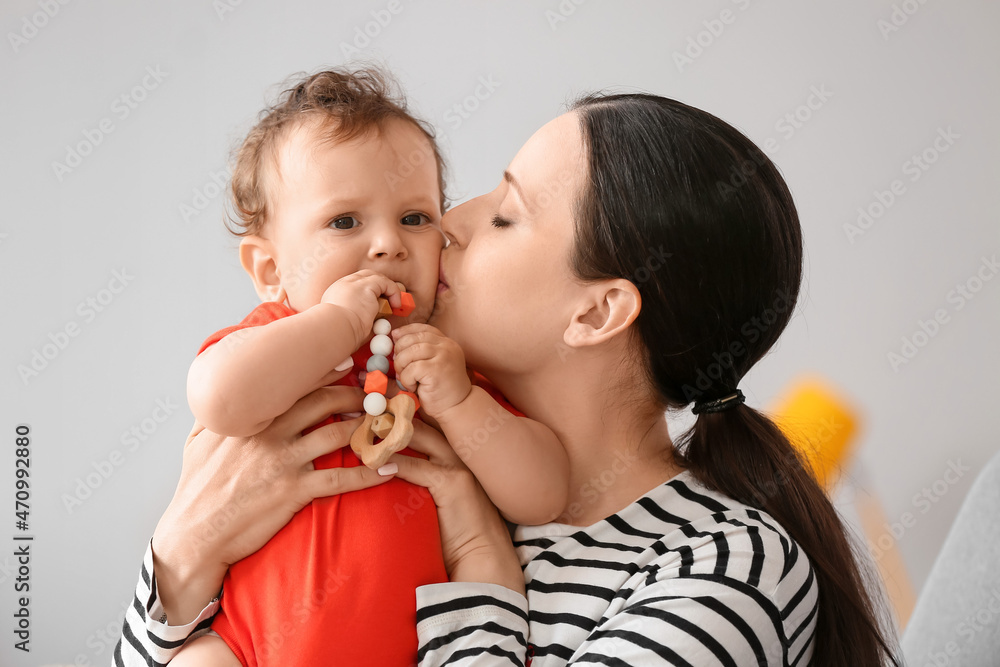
point(521, 464)
point(239, 385)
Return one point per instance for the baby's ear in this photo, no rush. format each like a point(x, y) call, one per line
point(258, 259)
point(608, 308)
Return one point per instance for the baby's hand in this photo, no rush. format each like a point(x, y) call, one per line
point(433, 363)
point(358, 294)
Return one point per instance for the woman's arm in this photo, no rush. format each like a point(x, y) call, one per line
point(233, 496)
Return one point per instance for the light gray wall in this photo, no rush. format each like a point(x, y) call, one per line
point(64, 236)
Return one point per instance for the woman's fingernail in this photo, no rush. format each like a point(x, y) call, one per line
point(351, 415)
point(344, 365)
point(388, 469)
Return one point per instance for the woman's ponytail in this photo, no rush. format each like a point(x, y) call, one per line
point(673, 180)
point(744, 455)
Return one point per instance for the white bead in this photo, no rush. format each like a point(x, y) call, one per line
point(382, 327)
point(375, 404)
point(381, 344)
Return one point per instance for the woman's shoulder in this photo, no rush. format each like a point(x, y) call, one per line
point(684, 534)
point(723, 536)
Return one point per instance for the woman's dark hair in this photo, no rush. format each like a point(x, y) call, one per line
point(668, 180)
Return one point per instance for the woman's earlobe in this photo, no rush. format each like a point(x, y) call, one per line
point(612, 309)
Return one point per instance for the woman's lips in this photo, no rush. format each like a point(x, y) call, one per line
point(442, 280)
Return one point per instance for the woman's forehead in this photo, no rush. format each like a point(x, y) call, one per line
point(551, 165)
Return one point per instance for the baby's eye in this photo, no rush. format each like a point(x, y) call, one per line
point(346, 222)
point(414, 219)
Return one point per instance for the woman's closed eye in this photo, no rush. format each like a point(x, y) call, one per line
point(500, 222)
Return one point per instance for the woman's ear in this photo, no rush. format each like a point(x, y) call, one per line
point(258, 259)
point(609, 309)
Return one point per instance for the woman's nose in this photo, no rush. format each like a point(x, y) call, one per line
point(457, 222)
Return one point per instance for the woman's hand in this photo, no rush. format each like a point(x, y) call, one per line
point(474, 538)
point(234, 494)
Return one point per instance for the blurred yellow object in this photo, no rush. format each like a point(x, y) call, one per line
point(820, 424)
point(824, 426)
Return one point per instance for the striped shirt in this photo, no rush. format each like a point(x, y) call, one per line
point(682, 576)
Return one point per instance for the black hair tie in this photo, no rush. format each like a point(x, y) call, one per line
point(720, 404)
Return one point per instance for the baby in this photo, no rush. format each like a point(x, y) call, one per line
point(338, 192)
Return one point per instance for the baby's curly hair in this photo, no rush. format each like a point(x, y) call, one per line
point(346, 102)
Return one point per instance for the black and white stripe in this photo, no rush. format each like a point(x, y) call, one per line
point(145, 639)
point(683, 576)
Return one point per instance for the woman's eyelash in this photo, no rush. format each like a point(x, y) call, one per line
point(501, 222)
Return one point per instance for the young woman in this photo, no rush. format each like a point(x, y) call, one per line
point(638, 255)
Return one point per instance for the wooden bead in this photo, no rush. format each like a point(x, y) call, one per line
point(381, 344)
point(384, 309)
point(416, 401)
point(382, 425)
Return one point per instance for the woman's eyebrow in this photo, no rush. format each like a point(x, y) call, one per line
point(507, 176)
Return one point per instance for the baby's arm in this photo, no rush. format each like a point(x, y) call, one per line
point(239, 385)
point(520, 462)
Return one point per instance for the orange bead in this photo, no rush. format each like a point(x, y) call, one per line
point(376, 382)
point(407, 305)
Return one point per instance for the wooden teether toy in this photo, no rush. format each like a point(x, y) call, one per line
point(392, 419)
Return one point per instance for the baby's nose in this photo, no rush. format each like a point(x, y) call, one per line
point(387, 244)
